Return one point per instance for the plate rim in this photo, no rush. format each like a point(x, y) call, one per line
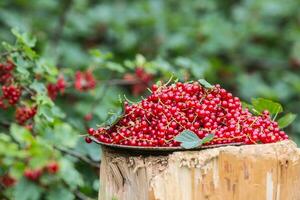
point(127, 147)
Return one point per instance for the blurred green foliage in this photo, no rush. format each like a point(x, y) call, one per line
point(252, 48)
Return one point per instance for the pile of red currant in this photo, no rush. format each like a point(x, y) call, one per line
point(84, 80)
point(169, 110)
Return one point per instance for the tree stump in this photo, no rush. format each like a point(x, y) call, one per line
point(254, 172)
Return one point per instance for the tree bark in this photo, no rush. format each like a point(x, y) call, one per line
point(254, 172)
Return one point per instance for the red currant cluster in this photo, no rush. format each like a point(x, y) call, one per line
point(10, 94)
point(23, 114)
point(142, 80)
point(7, 180)
point(55, 88)
point(169, 110)
point(84, 80)
point(6, 72)
point(35, 174)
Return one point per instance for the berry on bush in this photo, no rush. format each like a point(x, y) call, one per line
point(33, 174)
point(55, 88)
point(7, 180)
point(52, 167)
point(88, 140)
point(84, 80)
point(11, 94)
point(23, 114)
point(169, 110)
point(88, 117)
point(6, 72)
point(142, 79)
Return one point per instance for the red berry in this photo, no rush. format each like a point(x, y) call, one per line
point(88, 140)
point(88, 117)
point(91, 131)
point(52, 167)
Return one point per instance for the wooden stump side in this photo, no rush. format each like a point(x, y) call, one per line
point(254, 172)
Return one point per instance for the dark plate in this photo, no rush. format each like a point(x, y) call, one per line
point(125, 147)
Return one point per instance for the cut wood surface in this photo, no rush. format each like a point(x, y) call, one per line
point(254, 172)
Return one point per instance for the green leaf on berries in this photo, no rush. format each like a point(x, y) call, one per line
point(205, 84)
point(207, 138)
point(188, 139)
point(261, 104)
point(286, 120)
point(159, 83)
point(115, 117)
point(247, 105)
point(250, 108)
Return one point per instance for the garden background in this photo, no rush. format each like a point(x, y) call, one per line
point(116, 48)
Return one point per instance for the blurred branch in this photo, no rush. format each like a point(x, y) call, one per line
point(2, 195)
point(123, 82)
point(4, 124)
point(81, 196)
point(6, 53)
point(58, 31)
point(79, 156)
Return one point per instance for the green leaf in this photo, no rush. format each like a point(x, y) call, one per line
point(69, 174)
point(261, 104)
point(21, 134)
point(38, 87)
point(114, 67)
point(27, 190)
point(250, 108)
point(59, 192)
point(115, 117)
point(62, 134)
point(205, 84)
point(24, 38)
point(247, 105)
point(207, 138)
point(188, 139)
point(286, 120)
